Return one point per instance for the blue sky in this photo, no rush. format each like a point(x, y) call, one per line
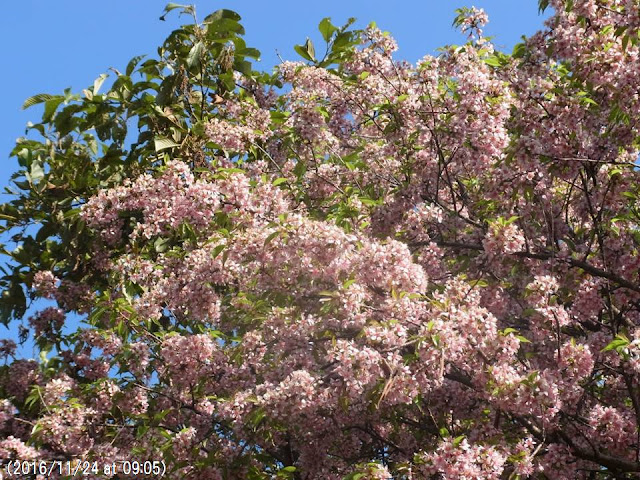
point(51, 45)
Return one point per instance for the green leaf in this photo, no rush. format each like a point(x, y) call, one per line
point(188, 232)
point(195, 54)
point(45, 232)
point(271, 237)
point(279, 181)
point(231, 170)
point(300, 169)
point(44, 353)
point(343, 40)
point(348, 283)
point(327, 293)
point(50, 107)
point(355, 476)
point(131, 65)
point(39, 98)
point(222, 14)
point(326, 28)
point(71, 213)
point(172, 6)
point(605, 30)
point(242, 66)
point(216, 251)
point(306, 51)
point(36, 172)
point(257, 416)
point(620, 30)
point(161, 245)
point(458, 440)
point(224, 27)
point(309, 48)
point(584, 99)
point(249, 52)
point(617, 343)
point(162, 143)
point(493, 61)
point(97, 83)
point(302, 52)
point(519, 50)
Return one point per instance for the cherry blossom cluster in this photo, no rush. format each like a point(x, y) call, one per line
point(387, 270)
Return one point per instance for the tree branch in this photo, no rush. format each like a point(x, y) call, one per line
point(586, 267)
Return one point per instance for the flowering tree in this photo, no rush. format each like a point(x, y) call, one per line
point(353, 267)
